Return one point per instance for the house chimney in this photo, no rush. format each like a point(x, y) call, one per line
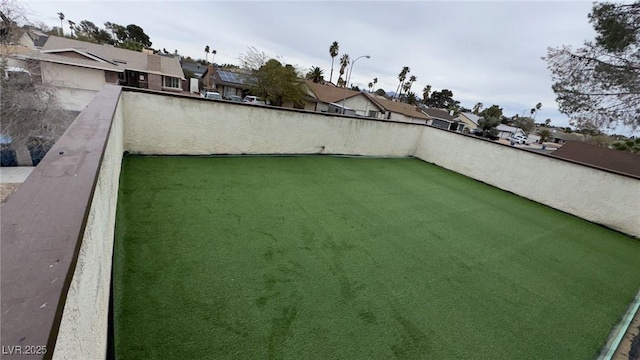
point(153, 62)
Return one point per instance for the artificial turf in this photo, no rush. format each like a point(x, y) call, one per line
point(354, 258)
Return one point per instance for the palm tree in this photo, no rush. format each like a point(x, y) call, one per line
point(408, 85)
point(537, 108)
point(425, 93)
point(72, 27)
point(213, 52)
point(344, 62)
point(375, 81)
point(333, 51)
point(478, 108)
point(405, 87)
point(316, 75)
point(370, 86)
point(401, 77)
point(61, 17)
point(411, 98)
point(206, 53)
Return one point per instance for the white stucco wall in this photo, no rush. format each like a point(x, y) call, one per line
point(84, 324)
point(74, 99)
point(174, 125)
point(360, 104)
point(598, 196)
point(401, 117)
point(75, 86)
point(72, 76)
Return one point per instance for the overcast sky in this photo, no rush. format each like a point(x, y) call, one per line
point(483, 51)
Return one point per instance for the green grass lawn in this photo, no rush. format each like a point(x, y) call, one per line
point(354, 258)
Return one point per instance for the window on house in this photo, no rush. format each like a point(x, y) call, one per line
point(171, 82)
point(373, 113)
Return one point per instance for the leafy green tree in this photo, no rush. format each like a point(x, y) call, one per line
point(381, 92)
point(188, 74)
point(545, 135)
point(316, 75)
point(278, 84)
point(547, 122)
point(488, 124)
point(599, 83)
point(441, 99)
point(103, 37)
point(333, 51)
point(525, 123)
point(494, 111)
point(136, 34)
point(630, 145)
point(118, 32)
point(86, 30)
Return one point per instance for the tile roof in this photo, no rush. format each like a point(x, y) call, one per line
point(122, 58)
point(330, 94)
point(621, 161)
point(439, 113)
point(399, 107)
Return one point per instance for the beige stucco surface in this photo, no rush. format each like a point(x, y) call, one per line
point(173, 125)
point(72, 76)
point(598, 196)
point(360, 104)
point(75, 86)
point(83, 329)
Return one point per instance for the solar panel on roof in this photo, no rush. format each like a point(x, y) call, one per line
point(230, 77)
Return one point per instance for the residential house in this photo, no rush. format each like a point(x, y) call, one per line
point(197, 69)
point(18, 41)
point(331, 99)
point(506, 131)
point(400, 111)
point(470, 120)
point(616, 160)
point(79, 69)
point(226, 82)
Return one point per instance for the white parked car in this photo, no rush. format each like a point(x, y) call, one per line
point(519, 139)
point(213, 95)
point(253, 100)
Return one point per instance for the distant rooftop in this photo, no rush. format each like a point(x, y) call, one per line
point(622, 161)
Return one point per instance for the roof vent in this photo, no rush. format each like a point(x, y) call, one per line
point(119, 61)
